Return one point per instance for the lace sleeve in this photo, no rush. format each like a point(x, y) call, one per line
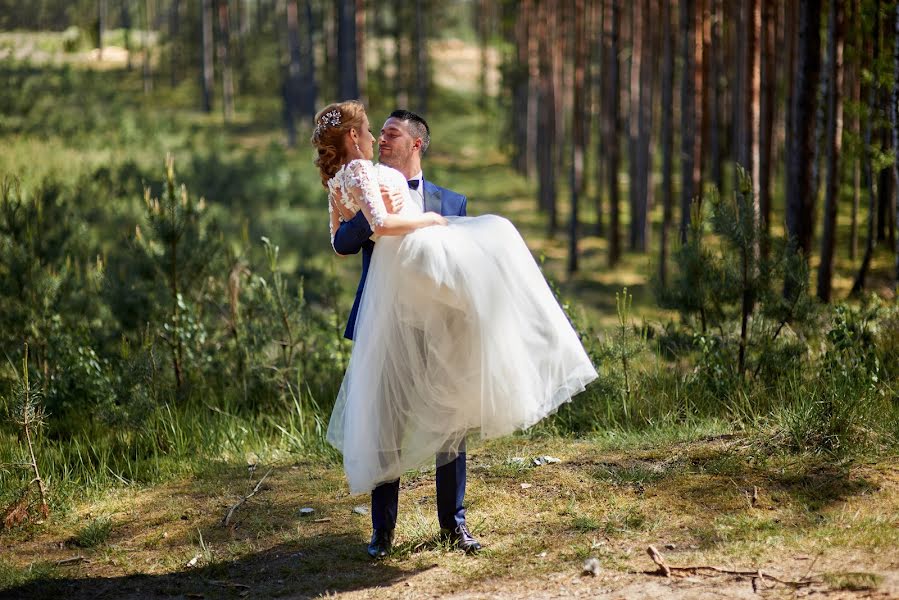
point(334, 219)
point(361, 181)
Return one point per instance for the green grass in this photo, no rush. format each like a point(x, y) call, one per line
point(95, 533)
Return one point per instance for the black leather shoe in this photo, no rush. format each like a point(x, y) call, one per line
point(381, 542)
point(461, 538)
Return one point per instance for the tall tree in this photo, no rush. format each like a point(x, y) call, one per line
point(208, 74)
point(688, 112)
point(347, 75)
point(716, 69)
point(420, 56)
point(175, 43)
point(800, 201)
point(635, 143)
point(147, 66)
point(667, 134)
point(579, 124)
point(101, 27)
point(361, 66)
point(611, 25)
point(894, 118)
point(224, 56)
point(767, 92)
point(547, 114)
point(859, 284)
point(833, 141)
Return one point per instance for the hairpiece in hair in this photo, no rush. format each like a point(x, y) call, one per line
point(329, 119)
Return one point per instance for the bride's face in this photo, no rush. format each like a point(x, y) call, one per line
point(366, 140)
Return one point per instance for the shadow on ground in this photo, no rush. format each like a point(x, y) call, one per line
point(306, 569)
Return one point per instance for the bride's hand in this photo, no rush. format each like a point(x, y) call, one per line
point(437, 219)
point(338, 206)
point(393, 199)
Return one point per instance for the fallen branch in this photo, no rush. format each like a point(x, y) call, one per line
point(70, 561)
point(227, 520)
point(667, 570)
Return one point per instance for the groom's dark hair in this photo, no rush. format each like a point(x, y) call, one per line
point(418, 127)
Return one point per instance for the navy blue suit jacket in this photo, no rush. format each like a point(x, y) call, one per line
point(353, 235)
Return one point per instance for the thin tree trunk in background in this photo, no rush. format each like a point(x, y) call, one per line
point(859, 284)
point(308, 96)
point(175, 43)
point(291, 85)
point(856, 91)
point(791, 34)
point(101, 27)
point(518, 34)
point(741, 90)
point(208, 74)
point(225, 60)
point(894, 118)
point(347, 82)
point(533, 87)
point(767, 92)
point(635, 110)
point(579, 122)
point(420, 57)
point(800, 201)
point(546, 126)
point(667, 135)
point(717, 68)
point(147, 69)
point(361, 67)
point(688, 113)
point(554, 73)
point(125, 17)
point(611, 22)
point(599, 61)
point(753, 105)
point(482, 27)
point(401, 48)
point(833, 137)
point(698, 85)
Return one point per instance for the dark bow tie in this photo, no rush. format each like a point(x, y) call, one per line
point(413, 183)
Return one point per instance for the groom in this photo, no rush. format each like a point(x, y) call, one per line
point(403, 140)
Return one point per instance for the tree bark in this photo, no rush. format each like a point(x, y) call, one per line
point(421, 57)
point(579, 123)
point(768, 80)
point(859, 284)
point(667, 135)
point(635, 142)
point(894, 118)
point(833, 140)
point(208, 73)
point(224, 56)
point(611, 23)
point(800, 201)
point(361, 67)
point(546, 126)
point(174, 41)
point(688, 113)
point(716, 69)
point(347, 80)
point(101, 27)
point(147, 68)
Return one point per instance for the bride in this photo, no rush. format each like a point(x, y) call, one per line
point(457, 329)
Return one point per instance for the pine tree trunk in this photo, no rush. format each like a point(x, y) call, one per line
point(308, 94)
point(401, 49)
point(611, 23)
point(361, 67)
point(147, 69)
point(667, 135)
point(291, 86)
point(347, 81)
point(599, 109)
point(688, 114)
point(833, 139)
point(546, 126)
point(768, 80)
point(894, 118)
point(579, 123)
point(225, 60)
point(800, 201)
point(636, 108)
point(859, 284)
point(101, 27)
point(175, 49)
point(753, 86)
point(208, 79)
point(717, 68)
point(125, 17)
point(421, 57)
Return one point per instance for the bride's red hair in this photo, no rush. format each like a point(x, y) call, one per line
point(329, 139)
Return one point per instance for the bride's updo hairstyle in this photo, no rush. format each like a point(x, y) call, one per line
point(331, 126)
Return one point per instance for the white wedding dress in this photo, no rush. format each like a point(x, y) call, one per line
point(457, 332)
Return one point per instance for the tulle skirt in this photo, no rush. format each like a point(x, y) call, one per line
point(457, 332)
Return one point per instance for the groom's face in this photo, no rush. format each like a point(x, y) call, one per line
point(396, 144)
